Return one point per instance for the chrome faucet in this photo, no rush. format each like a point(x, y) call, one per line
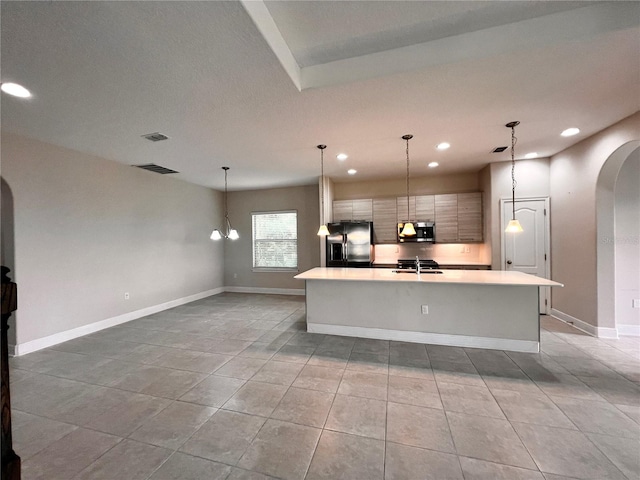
point(417, 265)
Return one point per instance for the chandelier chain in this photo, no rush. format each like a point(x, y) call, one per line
point(514, 140)
point(226, 210)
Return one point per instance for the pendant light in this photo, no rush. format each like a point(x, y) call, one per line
point(231, 233)
point(514, 225)
point(323, 231)
point(408, 230)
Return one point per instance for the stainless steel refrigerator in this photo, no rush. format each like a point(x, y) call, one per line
point(350, 244)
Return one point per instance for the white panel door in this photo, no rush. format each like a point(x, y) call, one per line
point(526, 251)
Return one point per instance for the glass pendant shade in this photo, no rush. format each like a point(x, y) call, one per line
point(408, 229)
point(216, 235)
point(514, 227)
point(233, 234)
point(323, 231)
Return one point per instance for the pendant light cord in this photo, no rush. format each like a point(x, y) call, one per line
point(321, 147)
point(408, 214)
point(322, 185)
point(407, 138)
point(513, 171)
point(226, 209)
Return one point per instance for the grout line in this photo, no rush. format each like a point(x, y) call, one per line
point(247, 310)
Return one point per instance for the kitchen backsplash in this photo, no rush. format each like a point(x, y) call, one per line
point(452, 253)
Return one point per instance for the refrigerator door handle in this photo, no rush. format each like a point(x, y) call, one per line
point(345, 255)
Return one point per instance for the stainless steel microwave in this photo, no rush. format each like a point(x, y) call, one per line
point(425, 232)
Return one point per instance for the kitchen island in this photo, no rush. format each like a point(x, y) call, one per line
point(465, 308)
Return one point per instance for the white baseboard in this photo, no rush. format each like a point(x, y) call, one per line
point(600, 332)
point(629, 330)
point(423, 337)
point(273, 291)
point(55, 339)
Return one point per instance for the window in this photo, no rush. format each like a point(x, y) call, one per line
point(275, 240)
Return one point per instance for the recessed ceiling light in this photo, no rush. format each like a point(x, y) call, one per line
point(433, 164)
point(570, 132)
point(531, 155)
point(342, 156)
point(443, 146)
point(352, 171)
point(15, 90)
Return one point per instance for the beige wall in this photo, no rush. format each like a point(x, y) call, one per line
point(460, 183)
point(627, 241)
point(574, 176)
point(86, 230)
point(532, 177)
point(484, 178)
point(239, 261)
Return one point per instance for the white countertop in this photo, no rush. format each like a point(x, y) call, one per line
point(450, 262)
point(478, 277)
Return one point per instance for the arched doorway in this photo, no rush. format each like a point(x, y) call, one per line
point(606, 232)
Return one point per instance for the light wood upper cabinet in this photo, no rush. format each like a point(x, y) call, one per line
point(342, 210)
point(425, 207)
point(348, 210)
point(385, 220)
point(421, 208)
point(458, 216)
point(401, 204)
point(446, 207)
point(363, 210)
point(470, 217)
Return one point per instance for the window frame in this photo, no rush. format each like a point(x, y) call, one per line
point(253, 244)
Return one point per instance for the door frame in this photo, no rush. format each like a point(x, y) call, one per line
point(544, 292)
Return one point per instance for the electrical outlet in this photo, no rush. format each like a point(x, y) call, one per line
point(425, 309)
point(636, 303)
point(467, 249)
point(126, 295)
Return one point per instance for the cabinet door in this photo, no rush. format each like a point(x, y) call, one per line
point(446, 207)
point(470, 217)
point(342, 210)
point(363, 209)
point(425, 207)
point(384, 220)
point(401, 205)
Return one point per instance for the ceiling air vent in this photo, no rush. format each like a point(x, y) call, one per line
point(155, 137)
point(152, 167)
point(499, 149)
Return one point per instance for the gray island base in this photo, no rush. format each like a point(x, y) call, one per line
point(464, 308)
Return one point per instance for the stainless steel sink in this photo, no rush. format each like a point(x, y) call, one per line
point(409, 270)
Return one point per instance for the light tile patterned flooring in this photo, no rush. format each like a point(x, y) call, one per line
point(232, 387)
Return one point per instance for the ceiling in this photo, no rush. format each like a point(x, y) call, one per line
point(257, 85)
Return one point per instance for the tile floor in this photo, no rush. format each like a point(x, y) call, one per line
point(232, 387)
